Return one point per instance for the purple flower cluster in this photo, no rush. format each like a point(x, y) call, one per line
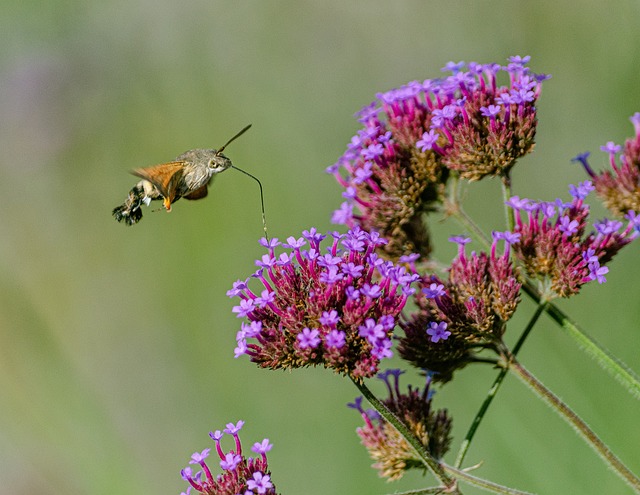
point(554, 246)
point(335, 308)
point(468, 312)
point(241, 475)
point(395, 168)
point(392, 454)
point(619, 187)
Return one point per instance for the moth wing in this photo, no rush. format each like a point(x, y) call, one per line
point(198, 193)
point(165, 177)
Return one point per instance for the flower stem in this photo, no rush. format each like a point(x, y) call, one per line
point(602, 356)
point(494, 388)
point(506, 195)
point(576, 422)
point(463, 475)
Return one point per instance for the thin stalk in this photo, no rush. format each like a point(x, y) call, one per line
point(438, 490)
point(506, 196)
point(463, 475)
point(491, 394)
point(609, 363)
point(576, 422)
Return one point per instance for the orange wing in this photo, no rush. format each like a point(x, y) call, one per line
point(165, 177)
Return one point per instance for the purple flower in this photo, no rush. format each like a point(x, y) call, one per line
point(232, 429)
point(372, 151)
point(371, 290)
point(611, 148)
point(582, 190)
point(438, 331)
point(490, 111)
point(568, 226)
point(336, 339)
point(230, 461)
point(260, 483)
point(516, 203)
point(434, 290)
point(427, 141)
point(262, 447)
point(597, 272)
point(199, 457)
point(460, 240)
point(329, 318)
point(309, 339)
point(245, 308)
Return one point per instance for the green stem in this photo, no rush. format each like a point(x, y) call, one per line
point(612, 365)
point(463, 475)
point(506, 195)
point(576, 422)
point(494, 389)
point(434, 466)
point(423, 491)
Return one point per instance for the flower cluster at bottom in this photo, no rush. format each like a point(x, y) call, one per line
point(335, 308)
point(242, 475)
point(391, 451)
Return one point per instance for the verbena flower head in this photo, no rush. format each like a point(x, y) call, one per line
point(240, 475)
point(396, 166)
point(464, 314)
point(336, 307)
point(392, 454)
point(555, 248)
point(619, 186)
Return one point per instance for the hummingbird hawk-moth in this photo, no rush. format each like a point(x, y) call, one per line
point(187, 176)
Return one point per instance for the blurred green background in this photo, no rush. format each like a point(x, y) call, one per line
point(116, 353)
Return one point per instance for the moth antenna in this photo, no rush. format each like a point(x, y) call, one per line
point(233, 139)
point(264, 218)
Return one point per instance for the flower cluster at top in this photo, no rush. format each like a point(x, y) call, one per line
point(396, 166)
point(335, 307)
point(555, 248)
point(392, 454)
point(242, 475)
point(619, 188)
point(464, 314)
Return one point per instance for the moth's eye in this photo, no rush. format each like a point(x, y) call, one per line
point(213, 163)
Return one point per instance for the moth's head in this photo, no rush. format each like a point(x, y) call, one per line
point(217, 162)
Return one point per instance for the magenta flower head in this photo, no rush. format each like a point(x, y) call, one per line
point(239, 473)
point(335, 307)
point(619, 186)
point(468, 312)
point(555, 248)
point(392, 454)
point(396, 166)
